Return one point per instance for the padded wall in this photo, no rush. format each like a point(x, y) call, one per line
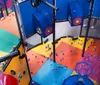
point(85, 5)
point(26, 11)
point(96, 10)
point(62, 14)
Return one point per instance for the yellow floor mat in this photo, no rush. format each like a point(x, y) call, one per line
point(77, 43)
point(46, 48)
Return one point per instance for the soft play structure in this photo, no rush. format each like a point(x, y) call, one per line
point(49, 42)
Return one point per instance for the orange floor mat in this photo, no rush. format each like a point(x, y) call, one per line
point(67, 55)
point(94, 48)
point(9, 24)
point(35, 61)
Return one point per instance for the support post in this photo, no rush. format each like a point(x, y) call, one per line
point(88, 26)
point(1, 12)
point(81, 29)
point(18, 23)
point(6, 7)
point(54, 19)
point(21, 36)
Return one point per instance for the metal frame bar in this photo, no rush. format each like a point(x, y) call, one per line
point(41, 40)
point(52, 6)
point(9, 56)
point(81, 28)
point(28, 68)
point(54, 19)
point(7, 63)
point(6, 8)
point(18, 24)
point(22, 39)
point(1, 12)
point(88, 26)
point(14, 54)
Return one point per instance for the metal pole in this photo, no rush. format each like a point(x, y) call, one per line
point(54, 19)
point(1, 12)
point(81, 29)
point(19, 28)
point(21, 36)
point(9, 56)
point(41, 40)
point(28, 67)
point(88, 26)
point(52, 6)
point(6, 7)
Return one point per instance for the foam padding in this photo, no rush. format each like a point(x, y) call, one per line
point(52, 74)
point(77, 43)
point(41, 49)
point(35, 61)
point(9, 23)
point(7, 40)
point(94, 48)
point(67, 55)
point(42, 29)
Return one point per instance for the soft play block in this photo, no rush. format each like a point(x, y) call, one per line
point(76, 14)
point(42, 23)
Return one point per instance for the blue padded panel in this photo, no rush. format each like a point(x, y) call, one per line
point(45, 8)
point(42, 21)
point(62, 13)
point(85, 5)
point(96, 10)
point(26, 11)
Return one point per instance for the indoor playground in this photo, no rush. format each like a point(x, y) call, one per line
point(49, 42)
